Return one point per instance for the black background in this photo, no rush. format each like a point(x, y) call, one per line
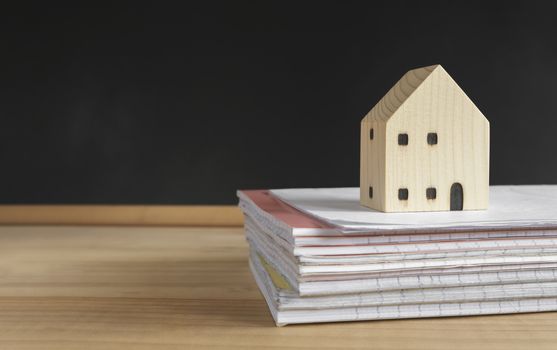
point(159, 103)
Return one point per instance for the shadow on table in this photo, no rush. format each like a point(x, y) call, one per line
point(198, 292)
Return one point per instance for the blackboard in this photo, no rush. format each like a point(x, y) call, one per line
point(184, 104)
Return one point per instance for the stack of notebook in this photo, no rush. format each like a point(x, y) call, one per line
point(318, 256)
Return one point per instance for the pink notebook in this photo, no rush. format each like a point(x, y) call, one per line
point(307, 230)
point(281, 211)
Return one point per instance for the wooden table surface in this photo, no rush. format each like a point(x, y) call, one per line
point(190, 288)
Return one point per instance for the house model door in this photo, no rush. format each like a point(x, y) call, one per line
point(457, 197)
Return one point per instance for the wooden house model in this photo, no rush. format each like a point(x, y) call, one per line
point(424, 147)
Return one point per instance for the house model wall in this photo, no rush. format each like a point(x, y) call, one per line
point(424, 147)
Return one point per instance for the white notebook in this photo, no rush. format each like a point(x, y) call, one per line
point(458, 302)
point(510, 207)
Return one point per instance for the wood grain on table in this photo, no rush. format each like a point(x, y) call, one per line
point(190, 288)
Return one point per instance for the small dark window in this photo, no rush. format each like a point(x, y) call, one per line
point(431, 193)
point(403, 194)
point(370, 192)
point(371, 134)
point(403, 139)
point(432, 138)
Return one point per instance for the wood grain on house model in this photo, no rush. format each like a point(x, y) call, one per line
point(424, 147)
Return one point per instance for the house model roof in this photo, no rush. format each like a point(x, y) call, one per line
point(410, 83)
